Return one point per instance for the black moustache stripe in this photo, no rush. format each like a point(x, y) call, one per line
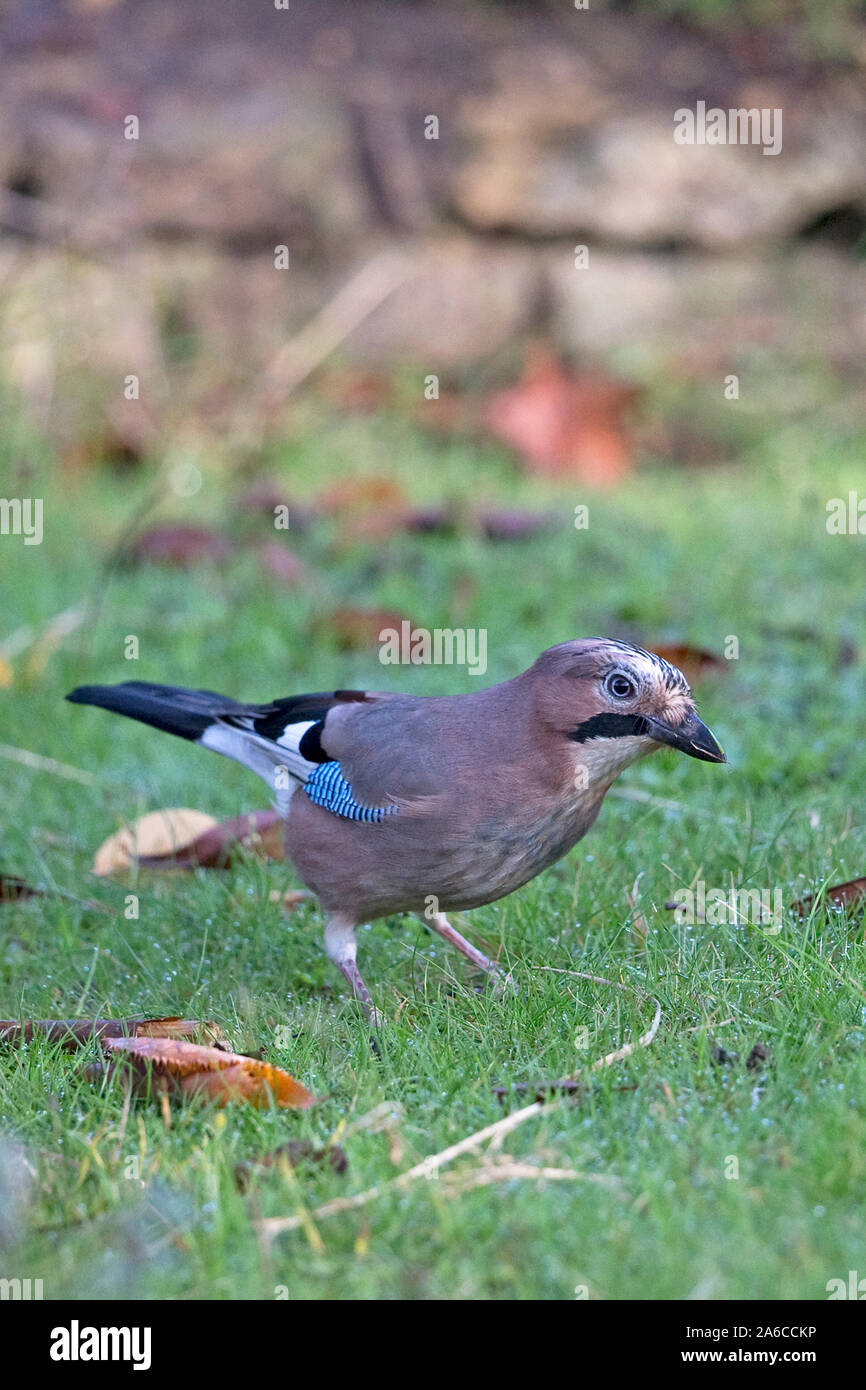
point(609, 726)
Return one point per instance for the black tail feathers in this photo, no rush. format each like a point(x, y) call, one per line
point(186, 713)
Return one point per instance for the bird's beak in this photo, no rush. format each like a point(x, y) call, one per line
point(692, 737)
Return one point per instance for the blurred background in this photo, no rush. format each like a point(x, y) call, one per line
point(422, 280)
point(430, 169)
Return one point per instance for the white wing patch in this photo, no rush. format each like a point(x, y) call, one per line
point(279, 763)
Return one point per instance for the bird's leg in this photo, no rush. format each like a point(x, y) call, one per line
point(342, 948)
point(439, 923)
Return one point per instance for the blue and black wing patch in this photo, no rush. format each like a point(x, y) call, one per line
point(327, 787)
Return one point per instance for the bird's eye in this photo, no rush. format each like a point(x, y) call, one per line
point(620, 687)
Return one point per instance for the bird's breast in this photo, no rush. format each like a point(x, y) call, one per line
point(504, 853)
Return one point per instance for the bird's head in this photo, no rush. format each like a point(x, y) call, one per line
point(615, 703)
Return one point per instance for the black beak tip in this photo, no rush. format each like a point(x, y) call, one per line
point(692, 738)
point(703, 745)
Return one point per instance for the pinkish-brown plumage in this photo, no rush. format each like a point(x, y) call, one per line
point(472, 795)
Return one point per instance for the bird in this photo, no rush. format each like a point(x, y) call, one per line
point(397, 803)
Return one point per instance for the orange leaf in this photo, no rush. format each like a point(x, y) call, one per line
point(221, 1076)
point(565, 424)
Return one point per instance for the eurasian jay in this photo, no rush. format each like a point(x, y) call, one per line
point(405, 803)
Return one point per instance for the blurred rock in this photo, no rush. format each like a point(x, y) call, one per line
point(691, 309)
point(307, 129)
point(625, 181)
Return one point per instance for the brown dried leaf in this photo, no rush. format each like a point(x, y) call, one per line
point(190, 1069)
point(73, 1033)
point(258, 832)
point(157, 835)
point(840, 895)
point(692, 661)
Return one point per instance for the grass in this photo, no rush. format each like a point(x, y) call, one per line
point(144, 1211)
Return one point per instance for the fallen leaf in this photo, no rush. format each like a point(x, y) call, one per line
point(296, 1151)
point(76, 1032)
point(565, 424)
point(840, 895)
point(692, 661)
point(157, 835)
point(258, 832)
point(178, 545)
point(190, 1069)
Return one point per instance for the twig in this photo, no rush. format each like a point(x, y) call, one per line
point(629, 1048)
point(507, 1171)
point(41, 764)
point(357, 299)
point(582, 975)
point(429, 1167)
point(270, 1227)
point(663, 803)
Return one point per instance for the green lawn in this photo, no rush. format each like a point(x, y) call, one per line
point(739, 550)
